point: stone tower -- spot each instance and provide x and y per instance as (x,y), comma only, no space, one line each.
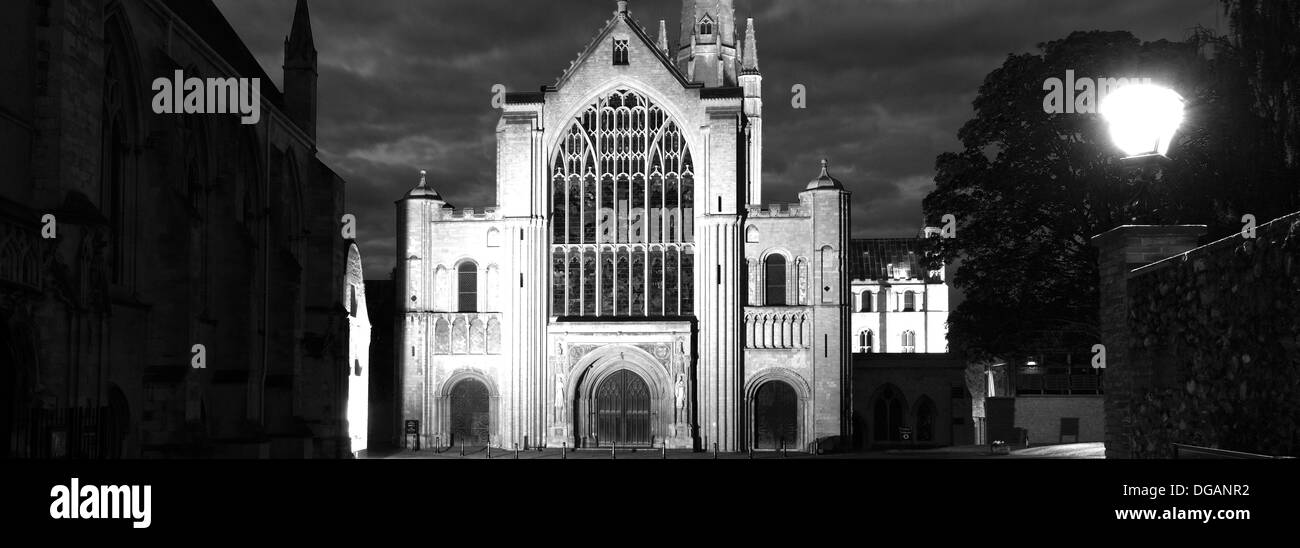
(707,48)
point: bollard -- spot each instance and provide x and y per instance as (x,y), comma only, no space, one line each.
(782,448)
(564,451)
(462,447)
(489,450)
(516,451)
(665,453)
(715,450)
(612,447)
(751,453)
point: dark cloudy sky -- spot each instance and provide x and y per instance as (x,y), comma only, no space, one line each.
(406,85)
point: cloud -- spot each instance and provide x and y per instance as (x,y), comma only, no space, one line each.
(407,85)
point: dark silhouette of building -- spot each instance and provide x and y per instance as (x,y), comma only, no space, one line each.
(171,231)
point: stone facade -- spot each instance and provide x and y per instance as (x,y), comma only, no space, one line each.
(617,292)
(171,231)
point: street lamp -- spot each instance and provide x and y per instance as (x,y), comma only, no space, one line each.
(1143,119)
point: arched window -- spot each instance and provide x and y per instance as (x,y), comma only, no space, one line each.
(774,283)
(623,133)
(925,419)
(909,341)
(467,286)
(620,52)
(866,340)
(706,25)
(751,234)
(866,302)
(909,301)
(888,415)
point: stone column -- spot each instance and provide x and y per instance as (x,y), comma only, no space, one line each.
(1119,251)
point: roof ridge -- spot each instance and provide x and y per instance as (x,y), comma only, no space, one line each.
(640,32)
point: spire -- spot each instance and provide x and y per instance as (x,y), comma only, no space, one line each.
(663,37)
(709,37)
(300,73)
(300,41)
(750,59)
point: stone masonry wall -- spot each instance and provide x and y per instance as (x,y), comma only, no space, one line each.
(1216,331)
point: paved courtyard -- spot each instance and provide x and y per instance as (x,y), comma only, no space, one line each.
(1062,451)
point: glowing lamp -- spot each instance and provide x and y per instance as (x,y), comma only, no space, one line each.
(1143,118)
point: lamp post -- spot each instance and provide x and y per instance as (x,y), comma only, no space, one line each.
(1143,119)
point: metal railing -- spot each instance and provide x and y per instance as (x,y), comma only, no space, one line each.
(1183,451)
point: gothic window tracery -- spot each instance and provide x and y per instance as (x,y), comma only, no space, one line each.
(622,212)
(620,52)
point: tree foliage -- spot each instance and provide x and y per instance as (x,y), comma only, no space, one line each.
(1030,188)
(1267,39)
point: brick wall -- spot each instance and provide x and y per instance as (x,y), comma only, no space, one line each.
(1041,417)
(1120,251)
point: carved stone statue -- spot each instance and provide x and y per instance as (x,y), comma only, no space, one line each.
(559,390)
(679,391)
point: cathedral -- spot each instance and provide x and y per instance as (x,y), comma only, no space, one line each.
(630,287)
(171,285)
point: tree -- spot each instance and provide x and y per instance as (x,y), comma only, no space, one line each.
(1267,40)
(1030,188)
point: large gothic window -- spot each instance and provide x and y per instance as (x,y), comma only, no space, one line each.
(622,197)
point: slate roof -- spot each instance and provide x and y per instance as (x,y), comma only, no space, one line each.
(869,259)
(206,20)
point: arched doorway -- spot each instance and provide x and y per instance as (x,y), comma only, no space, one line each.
(776,416)
(470,419)
(622,410)
(888,413)
(925,414)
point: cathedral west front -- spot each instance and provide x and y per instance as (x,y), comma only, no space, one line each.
(630,287)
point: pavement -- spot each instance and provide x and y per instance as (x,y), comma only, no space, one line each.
(1061,451)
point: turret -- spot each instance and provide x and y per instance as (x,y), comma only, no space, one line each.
(752,81)
(414,212)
